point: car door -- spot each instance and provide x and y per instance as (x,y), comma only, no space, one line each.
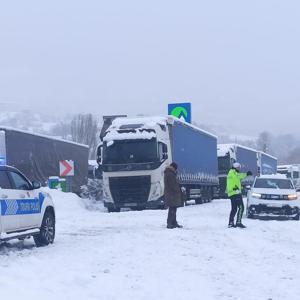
(8,204)
(28,205)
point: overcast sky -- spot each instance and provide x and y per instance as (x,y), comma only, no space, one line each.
(236,61)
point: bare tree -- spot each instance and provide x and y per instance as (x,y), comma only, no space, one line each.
(62,129)
(264,142)
(84,130)
(293,156)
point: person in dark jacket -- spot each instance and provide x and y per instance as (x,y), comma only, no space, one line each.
(172,195)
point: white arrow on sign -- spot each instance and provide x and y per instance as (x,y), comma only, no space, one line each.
(66,168)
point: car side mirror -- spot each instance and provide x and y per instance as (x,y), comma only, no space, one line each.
(36,185)
(248,187)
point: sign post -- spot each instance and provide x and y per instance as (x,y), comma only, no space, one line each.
(181,111)
(66,169)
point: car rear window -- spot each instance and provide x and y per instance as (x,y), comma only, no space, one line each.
(270,183)
(4,181)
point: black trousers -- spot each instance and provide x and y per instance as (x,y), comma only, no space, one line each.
(237,206)
(172,216)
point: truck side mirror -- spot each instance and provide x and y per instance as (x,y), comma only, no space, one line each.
(99,154)
(163,150)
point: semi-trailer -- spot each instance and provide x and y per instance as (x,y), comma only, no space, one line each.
(267,164)
(38,156)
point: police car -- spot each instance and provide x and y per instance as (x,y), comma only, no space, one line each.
(273,196)
(25,210)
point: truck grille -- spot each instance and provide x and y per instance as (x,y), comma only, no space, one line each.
(130,190)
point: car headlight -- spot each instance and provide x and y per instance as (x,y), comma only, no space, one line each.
(156,193)
(256,195)
(293,197)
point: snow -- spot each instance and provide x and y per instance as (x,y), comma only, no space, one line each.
(137,135)
(131,255)
(4,128)
(147,122)
(93,162)
(151,123)
(224,148)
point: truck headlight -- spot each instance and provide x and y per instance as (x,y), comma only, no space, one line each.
(156,192)
(256,195)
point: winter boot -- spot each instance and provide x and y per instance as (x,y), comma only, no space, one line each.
(178,226)
(240,225)
(171,226)
(231,225)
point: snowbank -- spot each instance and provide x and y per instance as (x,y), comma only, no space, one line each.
(131,255)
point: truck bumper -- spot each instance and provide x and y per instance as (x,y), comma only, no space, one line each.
(156,204)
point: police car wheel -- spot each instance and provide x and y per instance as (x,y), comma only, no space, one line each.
(47,231)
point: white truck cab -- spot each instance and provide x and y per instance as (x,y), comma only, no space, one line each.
(25,210)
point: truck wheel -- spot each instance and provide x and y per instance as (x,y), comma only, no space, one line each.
(199,201)
(47,230)
(112,209)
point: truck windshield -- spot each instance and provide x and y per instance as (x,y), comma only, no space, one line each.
(130,151)
(270,183)
(223,164)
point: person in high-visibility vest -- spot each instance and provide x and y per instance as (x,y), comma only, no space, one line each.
(234,191)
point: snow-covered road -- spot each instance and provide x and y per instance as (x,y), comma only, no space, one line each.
(131,255)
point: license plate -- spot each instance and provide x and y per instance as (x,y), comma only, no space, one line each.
(130,204)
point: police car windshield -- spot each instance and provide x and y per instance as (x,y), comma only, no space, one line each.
(270,183)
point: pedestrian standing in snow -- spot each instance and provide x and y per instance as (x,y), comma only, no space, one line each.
(234,191)
(172,195)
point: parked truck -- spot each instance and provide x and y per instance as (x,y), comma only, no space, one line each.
(135,153)
(267,164)
(38,156)
(230,153)
(291,171)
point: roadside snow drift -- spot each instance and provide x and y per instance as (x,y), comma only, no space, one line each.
(131,255)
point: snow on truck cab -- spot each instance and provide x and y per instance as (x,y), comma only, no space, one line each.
(273,196)
(136,152)
(291,171)
(25,210)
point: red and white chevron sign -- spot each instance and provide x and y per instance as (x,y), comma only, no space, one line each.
(66,168)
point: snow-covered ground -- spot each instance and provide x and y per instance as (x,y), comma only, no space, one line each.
(131,255)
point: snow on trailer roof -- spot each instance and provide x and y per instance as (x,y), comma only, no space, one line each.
(223,149)
(5,128)
(289,166)
(267,154)
(151,122)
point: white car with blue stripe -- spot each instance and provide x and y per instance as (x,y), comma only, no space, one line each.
(25,210)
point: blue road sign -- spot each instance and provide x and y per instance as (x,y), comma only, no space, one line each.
(181,111)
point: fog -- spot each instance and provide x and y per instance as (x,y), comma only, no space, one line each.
(236,61)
